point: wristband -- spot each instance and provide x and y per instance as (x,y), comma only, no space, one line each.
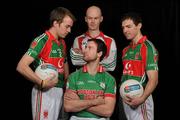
(41,86)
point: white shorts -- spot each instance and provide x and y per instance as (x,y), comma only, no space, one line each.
(46,104)
(143,112)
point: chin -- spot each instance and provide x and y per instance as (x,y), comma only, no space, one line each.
(128,38)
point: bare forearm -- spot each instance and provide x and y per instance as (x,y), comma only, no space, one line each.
(66,70)
(77,105)
(152,83)
(26,71)
(105,110)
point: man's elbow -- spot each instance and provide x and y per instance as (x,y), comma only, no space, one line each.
(157,81)
(19,68)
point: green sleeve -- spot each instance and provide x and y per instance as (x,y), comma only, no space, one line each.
(110,85)
(36,46)
(152,58)
(71,82)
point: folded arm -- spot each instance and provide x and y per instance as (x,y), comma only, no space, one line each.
(72,103)
(106,109)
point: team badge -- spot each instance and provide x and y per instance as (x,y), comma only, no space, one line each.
(102,85)
(33,45)
(136,56)
(45,114)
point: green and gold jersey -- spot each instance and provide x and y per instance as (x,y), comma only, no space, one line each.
(139,58)
(47,49)
(88,87)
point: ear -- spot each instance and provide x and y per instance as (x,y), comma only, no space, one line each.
(101,19)
(139,25)
(55,23)
(85,19)
(99,54)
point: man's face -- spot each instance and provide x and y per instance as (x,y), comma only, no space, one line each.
(130,30)
(65,27)
(90,52)
(93,18)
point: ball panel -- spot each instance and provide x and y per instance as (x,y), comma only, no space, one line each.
(46,70)
(132,88)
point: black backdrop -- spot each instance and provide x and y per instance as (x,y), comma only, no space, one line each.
(160,24)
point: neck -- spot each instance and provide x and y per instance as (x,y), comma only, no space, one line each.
(94,33)
(92,67)
(137,38)
(53,32)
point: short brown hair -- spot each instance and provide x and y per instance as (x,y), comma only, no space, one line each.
(59,13)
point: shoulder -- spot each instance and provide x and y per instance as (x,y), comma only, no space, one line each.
(42,37)
(63,42)
(80,36)
(148,45)
(109,76)
(109,41)
(75,73)
(108,37)
(126,48)
(39,41)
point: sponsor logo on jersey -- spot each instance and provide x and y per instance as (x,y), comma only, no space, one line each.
(54,51)
(91,81)
(60,66)
(90,94)
(80,83)
(127,69)
(137,56)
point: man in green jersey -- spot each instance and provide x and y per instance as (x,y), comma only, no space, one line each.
(139,63)
(91,92)
(48,48)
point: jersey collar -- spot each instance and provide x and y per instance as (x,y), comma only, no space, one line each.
(140,41)
(100,69)
(51,37)
(101,34)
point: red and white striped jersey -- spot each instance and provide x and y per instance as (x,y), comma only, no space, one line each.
(109,61)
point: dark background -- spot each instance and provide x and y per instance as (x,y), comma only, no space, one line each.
(160,24)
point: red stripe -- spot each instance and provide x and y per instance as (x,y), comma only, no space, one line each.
(110,95)
(144,111)
(38,105)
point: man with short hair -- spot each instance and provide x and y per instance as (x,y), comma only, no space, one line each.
(50,48)
(140,61)
(93,19)
(91,92)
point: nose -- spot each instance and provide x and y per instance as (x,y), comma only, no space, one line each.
(125,30)
(69,30)
(92,20)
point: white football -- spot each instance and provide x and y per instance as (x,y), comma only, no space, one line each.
(46,70)
(132,88)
